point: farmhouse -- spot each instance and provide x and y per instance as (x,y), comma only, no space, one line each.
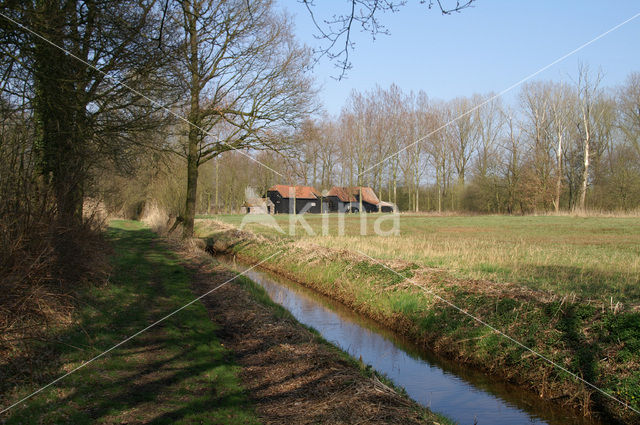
(301,199)
(258,206)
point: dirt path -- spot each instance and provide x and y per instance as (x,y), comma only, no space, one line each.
(291,376)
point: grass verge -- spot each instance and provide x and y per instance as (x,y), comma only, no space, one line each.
(176,372)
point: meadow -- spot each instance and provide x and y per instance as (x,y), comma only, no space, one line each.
(592,257)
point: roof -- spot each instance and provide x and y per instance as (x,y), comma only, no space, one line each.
(342,193)
(301,192)
(368,195)
(258,202)
(387,204)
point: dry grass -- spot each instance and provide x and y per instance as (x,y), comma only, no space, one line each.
(38,285)
(156,218)
(594,257)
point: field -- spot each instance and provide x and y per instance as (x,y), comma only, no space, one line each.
(593,257)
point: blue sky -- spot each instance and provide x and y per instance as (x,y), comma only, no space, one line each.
(483,49)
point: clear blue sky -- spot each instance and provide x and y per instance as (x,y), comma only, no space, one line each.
(482,49)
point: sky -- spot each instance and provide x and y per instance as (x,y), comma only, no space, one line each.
(486,48)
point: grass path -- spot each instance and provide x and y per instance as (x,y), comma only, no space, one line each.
(177,372)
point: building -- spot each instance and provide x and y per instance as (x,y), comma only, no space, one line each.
(347,199)
(338,199)
(258,206)
(306,199)
(301,199)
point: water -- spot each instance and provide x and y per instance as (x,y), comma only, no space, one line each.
(460,393)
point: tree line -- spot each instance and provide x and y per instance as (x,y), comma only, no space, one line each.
(558,147)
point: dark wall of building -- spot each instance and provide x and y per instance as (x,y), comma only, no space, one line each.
(306,206)
(369,207)
(286,205)
(280,205)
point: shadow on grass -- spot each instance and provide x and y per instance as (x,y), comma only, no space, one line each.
(176,372)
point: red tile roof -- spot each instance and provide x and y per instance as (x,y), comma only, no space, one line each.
(342,194)
(368,195)
(301,192)
(351,194)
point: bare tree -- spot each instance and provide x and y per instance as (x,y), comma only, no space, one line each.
(488,122)
(588,90)
(439,152)
(561,103)
(462,135)
(537,122)
(512,160)
(629,110)
(243,72)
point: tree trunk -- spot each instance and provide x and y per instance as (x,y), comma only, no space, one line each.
(216,200)
(192,187)
(194,131)
(556,202)
(585,173)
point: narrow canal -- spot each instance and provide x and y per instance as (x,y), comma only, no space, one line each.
(465,395)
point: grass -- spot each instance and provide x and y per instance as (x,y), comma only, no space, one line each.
(593,257)
(176,372)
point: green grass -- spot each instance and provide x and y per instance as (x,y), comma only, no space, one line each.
(593,257)
(176,372)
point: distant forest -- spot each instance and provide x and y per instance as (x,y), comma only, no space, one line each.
(558,147)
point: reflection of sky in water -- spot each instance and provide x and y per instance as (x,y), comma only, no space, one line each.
(431,386)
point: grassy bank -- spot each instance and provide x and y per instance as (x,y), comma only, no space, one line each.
(596,341)
(176,372)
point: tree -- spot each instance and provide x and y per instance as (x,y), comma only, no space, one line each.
(561,104)
(439,152)
(536,126)
(88,100)
(512,162)
(462,134)
(244,75)
(588,91)
(628,100)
